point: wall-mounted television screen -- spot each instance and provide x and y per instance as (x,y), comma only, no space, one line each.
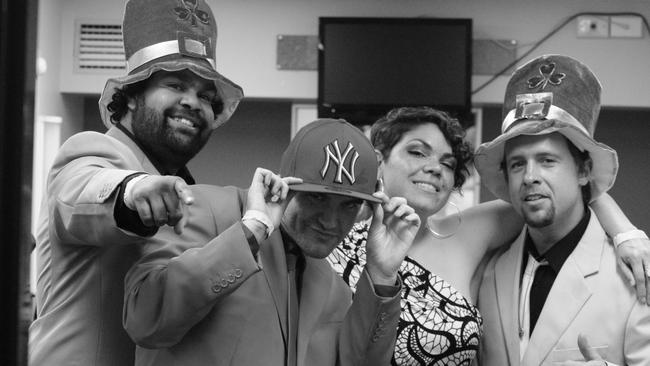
(367,66)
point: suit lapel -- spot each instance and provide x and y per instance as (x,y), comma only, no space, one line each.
(507,273)
(568,295)
(274,266)
(317,283)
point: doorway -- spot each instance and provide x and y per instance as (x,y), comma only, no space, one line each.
(17,85)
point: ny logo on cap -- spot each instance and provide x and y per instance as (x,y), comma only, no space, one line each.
(339,160)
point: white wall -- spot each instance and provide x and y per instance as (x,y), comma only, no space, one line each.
(49,101)
(248,28)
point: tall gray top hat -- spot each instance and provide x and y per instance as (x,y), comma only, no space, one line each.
(552,93)
(170,35)
(332,156)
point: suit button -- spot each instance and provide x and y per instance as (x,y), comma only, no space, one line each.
(216,289)
(231,278)
(238,273)
(224,283)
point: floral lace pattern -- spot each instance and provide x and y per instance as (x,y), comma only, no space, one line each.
(438,326)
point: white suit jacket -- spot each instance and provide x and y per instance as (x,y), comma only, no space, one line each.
(588,296)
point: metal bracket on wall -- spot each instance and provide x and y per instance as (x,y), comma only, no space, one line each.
(295,52)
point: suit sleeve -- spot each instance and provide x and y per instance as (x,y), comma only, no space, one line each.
(370,327)
(81,189)
(181,278)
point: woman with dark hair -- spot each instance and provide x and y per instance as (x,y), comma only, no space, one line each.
(424,158)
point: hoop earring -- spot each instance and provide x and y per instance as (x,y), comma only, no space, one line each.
(431,223)
(380,184)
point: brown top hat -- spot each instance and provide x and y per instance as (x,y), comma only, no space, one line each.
(552,93)
(171,35)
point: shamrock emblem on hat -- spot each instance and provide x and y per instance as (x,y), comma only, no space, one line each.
(190,11)
(547,76)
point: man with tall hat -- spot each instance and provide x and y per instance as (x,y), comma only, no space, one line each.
(555,295)
(219,295)
(107,192)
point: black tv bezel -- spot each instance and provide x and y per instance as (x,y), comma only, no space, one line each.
(368,113)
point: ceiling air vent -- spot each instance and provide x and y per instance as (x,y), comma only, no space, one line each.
(98,47)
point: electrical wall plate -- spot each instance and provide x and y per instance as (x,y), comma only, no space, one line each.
(625,26)
(592,26)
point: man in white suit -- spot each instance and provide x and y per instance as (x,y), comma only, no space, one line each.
(555,295)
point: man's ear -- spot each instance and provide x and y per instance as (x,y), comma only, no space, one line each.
(584,171)
(380,163)
(380,157)
(380,171)
(131,103)
(127,119)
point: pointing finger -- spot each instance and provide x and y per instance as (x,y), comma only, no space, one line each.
(184,192)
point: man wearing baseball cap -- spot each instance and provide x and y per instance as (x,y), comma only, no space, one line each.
(555,295)
(105,192)
(246,283)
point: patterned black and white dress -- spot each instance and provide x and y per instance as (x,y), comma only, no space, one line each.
(438,326)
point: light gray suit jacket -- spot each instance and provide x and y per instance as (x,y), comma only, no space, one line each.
(588,296)
(203,299)
(82,256)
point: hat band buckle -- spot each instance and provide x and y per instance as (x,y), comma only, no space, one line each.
(150,53)
(554,112)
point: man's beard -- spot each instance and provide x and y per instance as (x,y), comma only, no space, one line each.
(540,219)
(151,130)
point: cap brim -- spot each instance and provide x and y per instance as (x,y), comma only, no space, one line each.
(489,156)
(309,187)
(230,92)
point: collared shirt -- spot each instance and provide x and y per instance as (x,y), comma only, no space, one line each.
(290,246)
(555,257)
(295,257)
(295,267)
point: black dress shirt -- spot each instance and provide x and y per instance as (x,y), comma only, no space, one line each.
(546,274)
